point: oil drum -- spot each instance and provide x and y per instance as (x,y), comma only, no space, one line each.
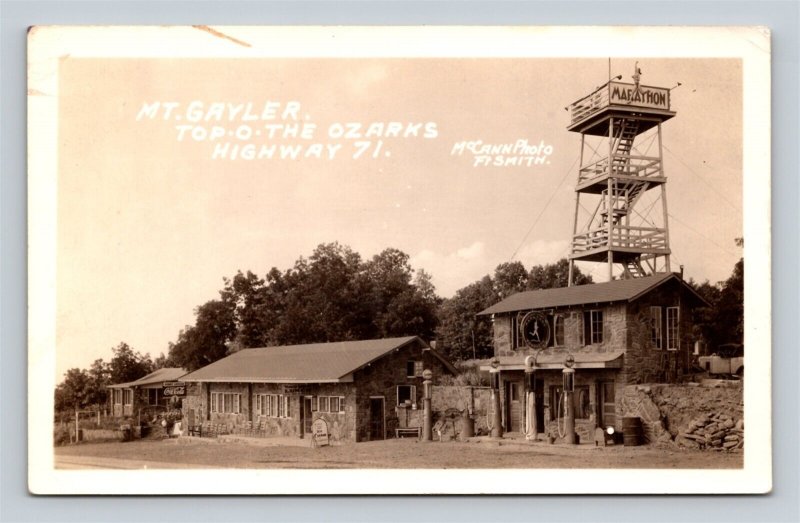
(632,431)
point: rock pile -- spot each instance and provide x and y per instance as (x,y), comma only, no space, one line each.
(715,431)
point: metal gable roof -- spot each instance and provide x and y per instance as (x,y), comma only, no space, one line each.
(310,363)
(617,290)
(154,378)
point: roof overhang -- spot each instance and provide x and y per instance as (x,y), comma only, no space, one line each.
(348,378)
(611,360)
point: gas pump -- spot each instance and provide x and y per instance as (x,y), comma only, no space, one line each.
(497,419)
(568,376)
(531,428)
(427,420)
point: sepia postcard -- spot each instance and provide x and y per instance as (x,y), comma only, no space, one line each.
(399,260)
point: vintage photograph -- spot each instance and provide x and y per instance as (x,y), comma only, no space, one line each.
(470,253)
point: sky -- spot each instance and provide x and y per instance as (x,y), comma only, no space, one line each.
(150,222)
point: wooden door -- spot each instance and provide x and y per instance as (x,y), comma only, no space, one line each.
(307,416)
(608,416)
(377,429)
(513,406)
(539,393)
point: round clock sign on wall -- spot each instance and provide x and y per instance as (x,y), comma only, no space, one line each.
(535,330)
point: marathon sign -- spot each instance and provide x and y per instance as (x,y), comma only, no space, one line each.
(172,389)
(638,95)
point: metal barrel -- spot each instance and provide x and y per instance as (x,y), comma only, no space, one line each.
(632,431)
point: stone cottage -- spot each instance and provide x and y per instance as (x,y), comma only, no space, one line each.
(127,399)
(358,388)
(619,333)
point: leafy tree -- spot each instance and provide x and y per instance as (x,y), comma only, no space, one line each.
(99,377)
(461,334)
(554,275)
(247,295)
(207,340)
(331,295)
(723,320)
(730,307)
(325,299)
(127,365)
(74,392)
(398,306)
(163,361)
(510,278)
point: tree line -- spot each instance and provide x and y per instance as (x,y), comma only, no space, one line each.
(336,295)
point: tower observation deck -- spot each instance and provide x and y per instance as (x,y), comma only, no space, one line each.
(620,195)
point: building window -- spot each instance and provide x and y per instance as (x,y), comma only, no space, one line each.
(152,396)
(117,397)
(517,338)
(513,390)
(558,330)
(673,333)
(127,397)
(406,394)
(332,404)
(411,369)
(655,327)
(272,405)
(226,402)
(593,326)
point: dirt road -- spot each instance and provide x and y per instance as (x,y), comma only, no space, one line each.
(405,453)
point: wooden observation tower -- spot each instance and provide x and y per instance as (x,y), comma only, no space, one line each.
(620,198)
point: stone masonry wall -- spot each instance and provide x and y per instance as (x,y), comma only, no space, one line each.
(667,409)
(644,363)
(449,404)
(381,380)
(615,327)
(341,426)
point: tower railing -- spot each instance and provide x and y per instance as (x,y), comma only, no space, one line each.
(642,166)
(622,236)
(619,94)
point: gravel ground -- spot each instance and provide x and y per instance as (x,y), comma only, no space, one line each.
(405,453)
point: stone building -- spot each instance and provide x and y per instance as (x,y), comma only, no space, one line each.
(619,333)
(357,387)
(127,399)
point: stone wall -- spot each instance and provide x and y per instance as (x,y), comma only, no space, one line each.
(615,333)
(449,404)
(381,379)
(667,409)
(341,426)
(644,363)
(100,434)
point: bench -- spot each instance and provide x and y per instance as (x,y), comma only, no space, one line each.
(208,430)
(408,431)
